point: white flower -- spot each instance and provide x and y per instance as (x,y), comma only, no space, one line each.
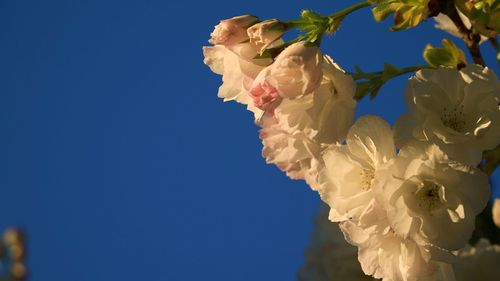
(480,262)
(292,151)
(432,199)
(238,70)
(232,31)
(496,212)
(296,71)
(457,110)
(263,34)
(296,131)
(350,170)
(385,255)
(330,257)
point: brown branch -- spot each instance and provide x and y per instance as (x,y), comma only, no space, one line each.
(470,38)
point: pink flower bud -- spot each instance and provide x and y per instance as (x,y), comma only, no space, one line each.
(297,70)
(232,31)
(263,94)
(264,34)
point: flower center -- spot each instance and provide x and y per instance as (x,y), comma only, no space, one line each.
(428,196)
(367,176)
(454,118)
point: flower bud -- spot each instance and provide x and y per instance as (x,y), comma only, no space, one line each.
(232,31)
(263,94)
(496,212)
(265,33)
(297,70)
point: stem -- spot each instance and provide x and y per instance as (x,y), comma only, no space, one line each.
(348,10)
(470,38)
(404,70)
(413,69)
(372,82)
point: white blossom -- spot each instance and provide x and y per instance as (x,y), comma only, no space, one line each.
(297,130)
(350,170)
(457,110)
(384,254)
(238,68)
(432,199)
(297,71)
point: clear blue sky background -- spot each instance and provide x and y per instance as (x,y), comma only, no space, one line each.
(121,163)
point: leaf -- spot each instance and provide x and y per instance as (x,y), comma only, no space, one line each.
(448,55)
(483,14)
(407,13)
(362,90)
(390,71)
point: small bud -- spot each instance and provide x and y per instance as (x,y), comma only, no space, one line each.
(263,34)
(232,31)
(310,15)
(496,212)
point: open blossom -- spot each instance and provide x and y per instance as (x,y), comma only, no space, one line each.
(330,257)
(457,110)
(238,68)
(384,254)
(429,196)
(232,31)
(299,129)
(350,170)
(479,262)
(292,151)
(295,72)
(263,34)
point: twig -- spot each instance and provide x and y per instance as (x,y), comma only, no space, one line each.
(470,38)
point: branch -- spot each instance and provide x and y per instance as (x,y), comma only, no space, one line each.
(470,38)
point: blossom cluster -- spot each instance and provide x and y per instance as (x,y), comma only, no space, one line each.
(329,258)
(407,196)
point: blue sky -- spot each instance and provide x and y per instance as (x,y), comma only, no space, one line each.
(121,163)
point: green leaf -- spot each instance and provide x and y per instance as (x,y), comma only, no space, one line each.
(390,71)
(483,14)
(448,55)
(310,15)
(362,90)
(407,13)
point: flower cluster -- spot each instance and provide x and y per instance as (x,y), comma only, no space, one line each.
(302,100)
(329,259)
(407,196)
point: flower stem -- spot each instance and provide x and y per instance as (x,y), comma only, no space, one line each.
(404,70)
(348,10)
(370,83)
(315,25)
